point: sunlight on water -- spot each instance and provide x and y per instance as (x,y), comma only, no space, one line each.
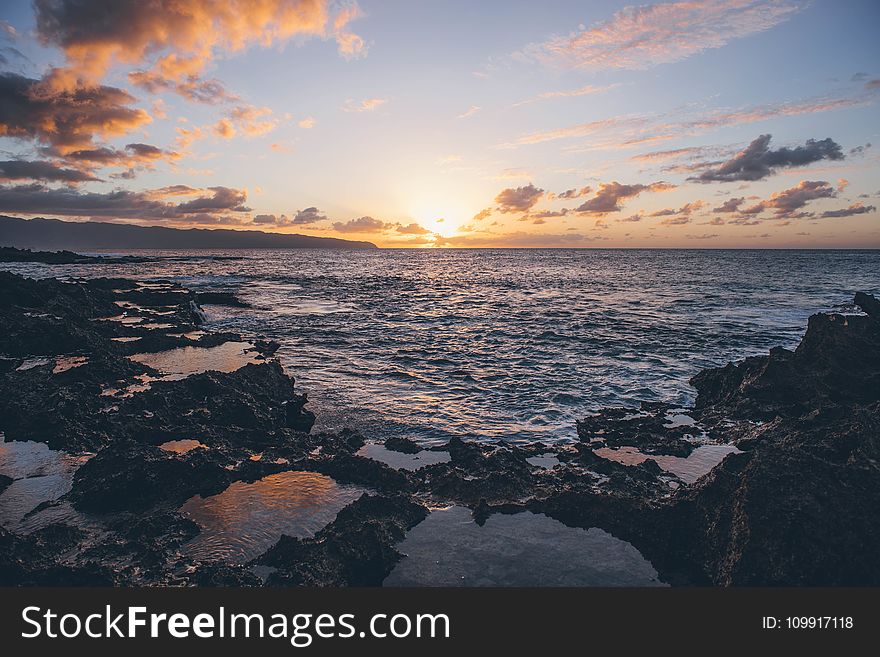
(183,361)
(181,446)
(246,519)
(506,344)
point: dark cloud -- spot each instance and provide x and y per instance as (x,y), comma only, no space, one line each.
(680,216)
(360,225)
(223,198)
(575,193)
(45,171)
(271,220)
(730,205)
(547,214)
(149,206)
(757,161)
(518,199)
(308,216)
(609,196)
(65,120)
(850,211)
(785,204)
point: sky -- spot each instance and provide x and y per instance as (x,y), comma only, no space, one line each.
(705,123)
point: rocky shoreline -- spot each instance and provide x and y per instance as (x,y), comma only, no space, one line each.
(111,372)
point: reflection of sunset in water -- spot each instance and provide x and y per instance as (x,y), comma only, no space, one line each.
(183,361)
(247,518)
(181,446)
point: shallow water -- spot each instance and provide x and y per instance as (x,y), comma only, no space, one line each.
(506,344)
(402,461)
(181,446)
(41,475)
(246,519)
(525,549)
(698,463)
(184,361)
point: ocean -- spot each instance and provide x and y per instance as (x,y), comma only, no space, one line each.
(511,345)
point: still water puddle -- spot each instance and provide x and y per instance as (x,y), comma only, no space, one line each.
(547,461)
(525,549)
(401,461)
(41,475)
(182,362)
(181,446)
(698,463)
(246,519)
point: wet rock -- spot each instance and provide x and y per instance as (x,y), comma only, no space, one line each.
(219,574)
(356,549)
(647,428)
(132,476)
(220,299)
(478,472)
(837,362)
(5,482)
(869,304)
(36,560)
(402,445)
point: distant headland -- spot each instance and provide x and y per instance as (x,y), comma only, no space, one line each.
(41,233)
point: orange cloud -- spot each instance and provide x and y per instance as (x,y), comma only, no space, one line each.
(640,37)
(188,32)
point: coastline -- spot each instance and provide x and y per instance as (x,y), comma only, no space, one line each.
(792,507)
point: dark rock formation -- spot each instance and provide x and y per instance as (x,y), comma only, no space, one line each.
(356,549)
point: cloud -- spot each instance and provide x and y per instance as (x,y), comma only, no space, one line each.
(308,216)
(587,90)
(360,225)
(65,121)
(215,205)
(271,220)
(730,205)
(190,86)
(223,198)
(786,203)
(518,199)
(473,109)
(610,195)
(95,34)
(414,229)
(629,131)
(252,121)
(45,171)
(482,214)
(704,236)
(667,155)
(349,44)
(849,211)
(640,37)
(757,161)
(367,105)
(575,193)
(680,216)
(136,156)
(307,123)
